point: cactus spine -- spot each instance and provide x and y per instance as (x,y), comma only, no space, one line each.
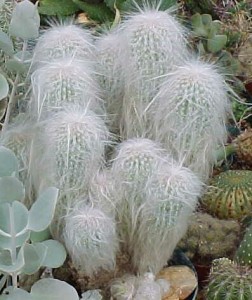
(229,281)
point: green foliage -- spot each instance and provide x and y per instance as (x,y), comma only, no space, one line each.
(57,8)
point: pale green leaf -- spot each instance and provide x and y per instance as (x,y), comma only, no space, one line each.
(25,20)
(8,162)
(15,66)
(216,43)
(4,87)
(11,189)
(16,294)
(7,266)
(6,43)
(56,254)
(42,211)
(40,236)
(50,288)
(34,255)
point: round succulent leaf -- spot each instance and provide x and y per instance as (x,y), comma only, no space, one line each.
(55,255)
(8,162)
(40,236)
(34,255)
(216,43)
(25,20)
(11,189)
(6,264)
(42,211)
(198,27)
(50,288)
(6,43)
(16,66)
(16,294)
(4,87)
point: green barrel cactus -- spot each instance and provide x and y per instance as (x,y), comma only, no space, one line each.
(229,281)
(171,195)
(153,44)
(190,114)
(63,40)
(244,252)
(62,82)
(230,194)
(90,238)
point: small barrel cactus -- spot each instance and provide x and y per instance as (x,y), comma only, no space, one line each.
(62,82)
(244,252)
(153,44)
(63,40)
(208,238)
(230,194)
(244,147)
(171,196)
(190,113)
(229,281)
(90,238)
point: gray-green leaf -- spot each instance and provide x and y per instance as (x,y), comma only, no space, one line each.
(25,20)
(40,236)
(11,189)
(42,211)
(7,266)
(4,87)
(56,254)
(8,162)
(16,294)
(50,288)
(6,43)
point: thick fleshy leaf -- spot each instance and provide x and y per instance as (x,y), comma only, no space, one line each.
(16,294)
(34,255)
(55,7)
(42,211)
(56,254)
(216,43)
(15,66)
(7,266)
(13,223)
(4,87)
(40,236)
(6,43)
(50,288)
(25,20)
(8,162)
(11,189)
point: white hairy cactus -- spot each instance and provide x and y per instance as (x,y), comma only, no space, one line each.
(71,146)
(135,161)
(110,75)
(90,238)
(61,82)
(153,45)
(190,113)
(171,196)
(63,40)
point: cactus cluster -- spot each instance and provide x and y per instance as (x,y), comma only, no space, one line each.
(168,109)
(244,252)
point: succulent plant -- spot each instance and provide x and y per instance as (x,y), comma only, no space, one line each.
(91,240)
(190,113)
(62,82)
(153,44)
(244,252)
(229,280)
(209,238)
(229,195)
(244,146)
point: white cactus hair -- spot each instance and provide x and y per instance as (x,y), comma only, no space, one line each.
(190,111)
(90,238)
(154,43)
(63,39)
(110,74)
(74,140)
(64,81)
(171,197)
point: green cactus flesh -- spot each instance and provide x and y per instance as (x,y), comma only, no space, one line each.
(244,252)
(230,194)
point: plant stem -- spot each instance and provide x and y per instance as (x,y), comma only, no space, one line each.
(13,246)
(12,99)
